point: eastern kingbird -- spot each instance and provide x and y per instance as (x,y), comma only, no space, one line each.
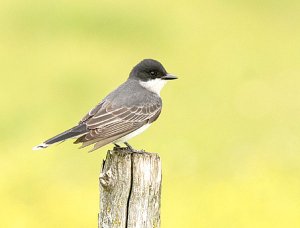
(122,114)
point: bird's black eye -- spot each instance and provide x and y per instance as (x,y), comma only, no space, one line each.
(153,73)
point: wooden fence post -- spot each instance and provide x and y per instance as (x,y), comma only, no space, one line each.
(130,189)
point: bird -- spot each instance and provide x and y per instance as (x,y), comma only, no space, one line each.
(122,114)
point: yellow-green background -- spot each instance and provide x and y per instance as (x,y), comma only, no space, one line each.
(229,132)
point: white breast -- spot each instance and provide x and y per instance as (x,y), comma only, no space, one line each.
(132,134)
(154,85)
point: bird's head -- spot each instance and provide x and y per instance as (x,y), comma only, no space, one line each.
(151,74)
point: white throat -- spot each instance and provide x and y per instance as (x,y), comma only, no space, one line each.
(154,85)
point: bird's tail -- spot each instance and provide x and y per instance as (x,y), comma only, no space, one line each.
(73,132)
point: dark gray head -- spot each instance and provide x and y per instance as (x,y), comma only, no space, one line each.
(150,69)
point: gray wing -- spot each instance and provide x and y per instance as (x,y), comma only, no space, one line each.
(107,123)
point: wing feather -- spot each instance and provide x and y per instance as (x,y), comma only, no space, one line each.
(106,123)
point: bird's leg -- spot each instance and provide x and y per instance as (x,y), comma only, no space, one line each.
(132,149)
(117,146)
(129,147)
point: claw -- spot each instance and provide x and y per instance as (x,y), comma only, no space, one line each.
(117,146)
(132,149)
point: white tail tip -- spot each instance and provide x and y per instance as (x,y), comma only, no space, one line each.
(40,146)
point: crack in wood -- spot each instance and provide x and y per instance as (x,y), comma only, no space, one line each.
(130,190)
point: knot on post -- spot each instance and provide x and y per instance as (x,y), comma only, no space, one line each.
(106,179)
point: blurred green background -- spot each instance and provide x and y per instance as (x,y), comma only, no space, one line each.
(229,132)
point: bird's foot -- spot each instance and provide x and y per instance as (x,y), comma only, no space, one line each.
(132,149)
(117,147)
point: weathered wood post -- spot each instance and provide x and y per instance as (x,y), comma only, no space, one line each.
(130,189)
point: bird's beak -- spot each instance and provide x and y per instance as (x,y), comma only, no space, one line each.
(168,77)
